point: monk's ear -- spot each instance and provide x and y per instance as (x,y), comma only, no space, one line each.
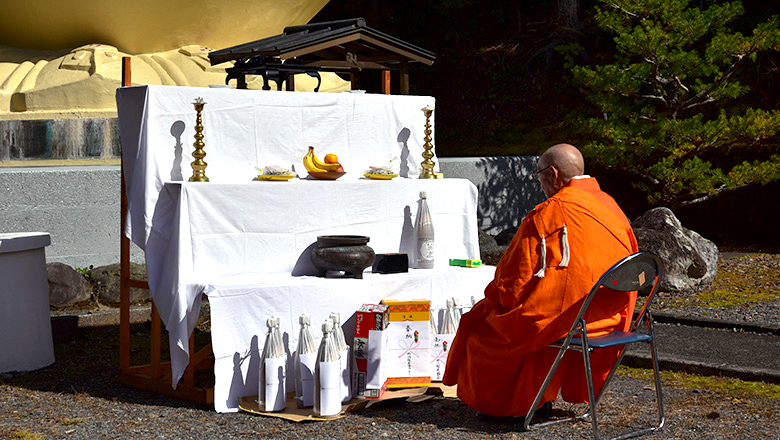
(556,174)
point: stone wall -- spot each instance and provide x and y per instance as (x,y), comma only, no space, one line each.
(507,191)
(77,206)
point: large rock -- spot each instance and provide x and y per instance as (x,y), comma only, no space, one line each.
(690,260)
(105,280)
(67,287)
(490,251)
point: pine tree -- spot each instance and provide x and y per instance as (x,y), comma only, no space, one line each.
(664,109)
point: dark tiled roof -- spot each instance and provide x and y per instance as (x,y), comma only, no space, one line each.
(337,45)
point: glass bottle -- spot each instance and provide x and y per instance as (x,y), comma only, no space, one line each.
(423,227)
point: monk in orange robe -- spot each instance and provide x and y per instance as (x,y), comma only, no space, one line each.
(499,357)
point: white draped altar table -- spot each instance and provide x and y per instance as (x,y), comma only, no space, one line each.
(239,314)
(209,233)
(235,232)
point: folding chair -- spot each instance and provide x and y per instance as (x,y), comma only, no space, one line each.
(635,272)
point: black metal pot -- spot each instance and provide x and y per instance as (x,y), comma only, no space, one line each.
(346,253)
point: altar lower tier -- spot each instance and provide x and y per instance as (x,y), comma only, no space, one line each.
(205,232)
(239,313)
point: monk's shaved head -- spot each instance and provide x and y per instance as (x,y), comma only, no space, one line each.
(557,166)
(566,158)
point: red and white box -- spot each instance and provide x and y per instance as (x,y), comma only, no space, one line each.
(371,320)
(408,358)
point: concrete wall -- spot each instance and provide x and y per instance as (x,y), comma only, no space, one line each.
(79,206)
(507,191)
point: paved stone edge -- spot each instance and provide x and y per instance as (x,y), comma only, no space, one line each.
(668,363)
(669,318)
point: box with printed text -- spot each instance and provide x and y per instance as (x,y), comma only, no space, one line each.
(408,356)
(370,320)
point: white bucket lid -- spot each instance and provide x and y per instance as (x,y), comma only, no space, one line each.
(22,241)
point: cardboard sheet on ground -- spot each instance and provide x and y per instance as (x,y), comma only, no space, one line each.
(295,414)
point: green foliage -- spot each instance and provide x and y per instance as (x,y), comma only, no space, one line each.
(83,271)
(661,109)
(570,52)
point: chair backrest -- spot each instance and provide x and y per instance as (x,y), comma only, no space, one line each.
(635,272)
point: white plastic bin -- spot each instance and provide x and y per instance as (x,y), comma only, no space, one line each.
(25,323)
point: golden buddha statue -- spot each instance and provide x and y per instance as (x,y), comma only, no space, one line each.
(43,76)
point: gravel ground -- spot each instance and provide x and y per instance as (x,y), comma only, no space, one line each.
(78,397)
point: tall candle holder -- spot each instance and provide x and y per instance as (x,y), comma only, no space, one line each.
(427,164)
(199,165)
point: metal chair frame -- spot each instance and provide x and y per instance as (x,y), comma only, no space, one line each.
(634,272)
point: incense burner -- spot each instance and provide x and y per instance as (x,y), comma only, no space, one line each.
(344,253)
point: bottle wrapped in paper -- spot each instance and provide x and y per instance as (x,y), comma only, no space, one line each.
(441,342)
(440,345)
(456,312)
(451,319)
(343,348)
(329,402)
(305,363)
(327,375)
(272,395)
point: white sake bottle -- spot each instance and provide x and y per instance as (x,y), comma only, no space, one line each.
(423,227)
(272,395)
(305,363)
(327,375)
(341,344)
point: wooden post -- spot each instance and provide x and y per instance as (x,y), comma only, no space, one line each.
(354,81)
(386,82)
(124,255)
(404,77)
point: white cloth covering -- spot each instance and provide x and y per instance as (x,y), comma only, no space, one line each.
(238,314)
(246,130)
(195,234)
(204,232)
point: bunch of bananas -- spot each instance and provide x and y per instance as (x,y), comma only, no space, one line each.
(314,165)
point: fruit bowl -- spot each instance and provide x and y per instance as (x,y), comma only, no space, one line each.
(330,175)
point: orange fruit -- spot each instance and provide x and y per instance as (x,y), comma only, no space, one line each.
(331,158)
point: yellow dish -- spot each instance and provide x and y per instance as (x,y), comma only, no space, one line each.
(274,177)
(380,176)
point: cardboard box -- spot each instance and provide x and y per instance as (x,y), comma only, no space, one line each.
(369,319)
(408,353)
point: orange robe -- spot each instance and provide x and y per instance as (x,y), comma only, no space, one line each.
(499,357)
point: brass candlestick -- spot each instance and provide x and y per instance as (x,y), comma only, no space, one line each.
(427,164)
(199,165)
